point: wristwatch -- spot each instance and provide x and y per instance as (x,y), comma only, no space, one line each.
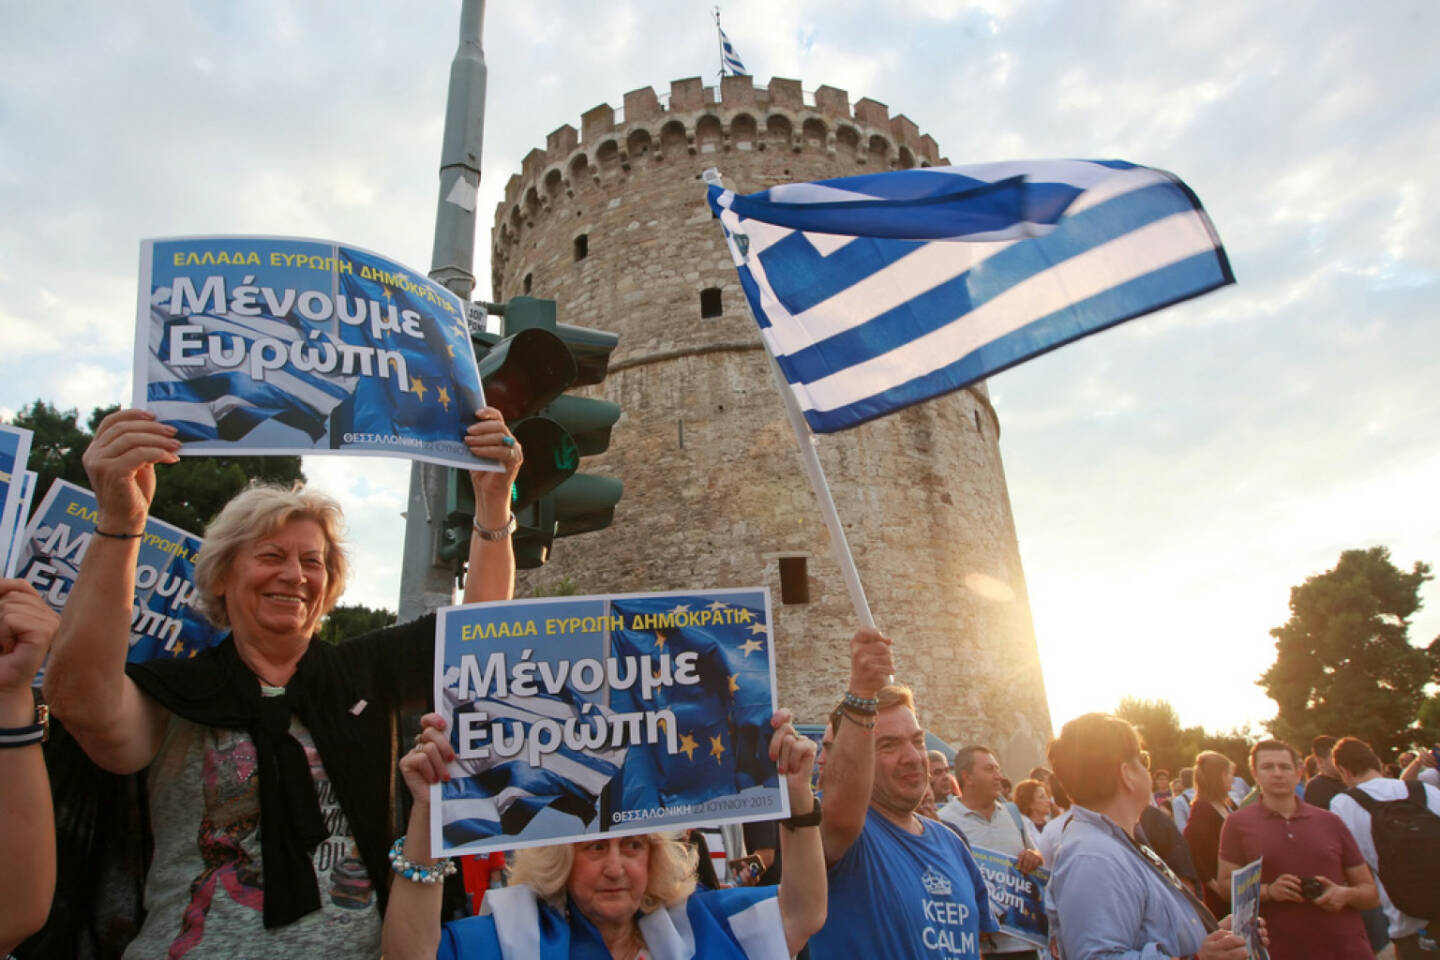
(811,819)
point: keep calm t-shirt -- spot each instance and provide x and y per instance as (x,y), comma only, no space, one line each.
(896,894)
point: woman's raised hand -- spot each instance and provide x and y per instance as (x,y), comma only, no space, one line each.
(120,462)
(794,757)
(489,438)
(429,760)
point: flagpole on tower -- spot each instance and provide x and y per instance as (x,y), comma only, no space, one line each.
(720,41)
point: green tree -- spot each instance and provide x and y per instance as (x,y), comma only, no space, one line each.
(1344,664)
(1159,728)
(187,494)
(351,620)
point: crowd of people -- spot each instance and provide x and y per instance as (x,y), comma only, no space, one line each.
(281,814)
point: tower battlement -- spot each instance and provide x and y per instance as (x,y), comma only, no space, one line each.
(697,119)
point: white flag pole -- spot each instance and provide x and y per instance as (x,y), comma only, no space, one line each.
(806,440)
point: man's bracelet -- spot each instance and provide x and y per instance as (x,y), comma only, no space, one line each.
(840,713)
(38,732)
(861,704)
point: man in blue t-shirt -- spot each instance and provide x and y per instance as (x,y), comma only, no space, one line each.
(900,885)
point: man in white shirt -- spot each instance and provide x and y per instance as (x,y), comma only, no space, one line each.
(990,823)
(1360,769)
(1180,803)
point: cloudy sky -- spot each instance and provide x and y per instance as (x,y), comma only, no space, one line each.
(1171,479)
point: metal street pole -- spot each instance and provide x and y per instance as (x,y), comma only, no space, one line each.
(425,583)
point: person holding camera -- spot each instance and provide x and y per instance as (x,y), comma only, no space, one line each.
(1314,880)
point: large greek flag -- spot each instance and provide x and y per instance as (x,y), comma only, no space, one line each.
(879,291)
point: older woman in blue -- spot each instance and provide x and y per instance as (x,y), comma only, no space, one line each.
(612,898)
(1110,896)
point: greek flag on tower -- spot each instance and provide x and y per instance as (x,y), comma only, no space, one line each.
(730,60)
(879,291)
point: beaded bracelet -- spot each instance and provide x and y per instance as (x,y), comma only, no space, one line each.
(861,704)
(411,870)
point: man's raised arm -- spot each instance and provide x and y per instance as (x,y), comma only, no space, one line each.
(850,761)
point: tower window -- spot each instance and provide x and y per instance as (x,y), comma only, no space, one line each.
(582,247)
(794,580)
(710,302)
(529,278)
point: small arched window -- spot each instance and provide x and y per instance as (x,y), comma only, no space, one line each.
(529,278)
(582,247)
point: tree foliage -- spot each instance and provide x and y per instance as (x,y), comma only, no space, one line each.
(1173,747)
(187,494)
(1344,664)
(351,620)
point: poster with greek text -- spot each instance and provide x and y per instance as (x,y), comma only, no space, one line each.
(11,556)
(1245,909)
(621,714)
(1017,899)
(166,621)
(14,454)
(286,346)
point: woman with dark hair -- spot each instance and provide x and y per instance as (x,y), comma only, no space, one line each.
(269,758)
(1033,800)
(1214,774)
(1109,895)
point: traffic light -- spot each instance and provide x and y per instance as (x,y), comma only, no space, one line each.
(550,499)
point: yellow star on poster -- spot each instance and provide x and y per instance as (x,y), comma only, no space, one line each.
(179,648)
(716,748)
(688,747)
(417,386)
(385,292)
(717,605)
(193,651)
(734,683)
(750,646)
(680,608)
(451,348)
(442,397)
(660,639)
(757,628)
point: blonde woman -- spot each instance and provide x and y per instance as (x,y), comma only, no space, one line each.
(269,757)
(625,898)
(1214,773)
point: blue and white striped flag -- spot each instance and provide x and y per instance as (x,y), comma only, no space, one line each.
(730,60)
(883,290)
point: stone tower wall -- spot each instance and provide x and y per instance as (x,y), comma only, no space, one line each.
(714,490)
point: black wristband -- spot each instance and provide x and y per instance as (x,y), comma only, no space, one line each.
(811,819)
(38,732)
(119,536)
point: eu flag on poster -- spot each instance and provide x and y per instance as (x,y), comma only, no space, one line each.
(573,716)
(723,720)
(286,346)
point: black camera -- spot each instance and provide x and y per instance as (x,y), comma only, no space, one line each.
(1311,887)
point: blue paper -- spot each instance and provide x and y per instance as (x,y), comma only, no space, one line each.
(1017,899)
(682,686)
(166,621)
(286,346)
